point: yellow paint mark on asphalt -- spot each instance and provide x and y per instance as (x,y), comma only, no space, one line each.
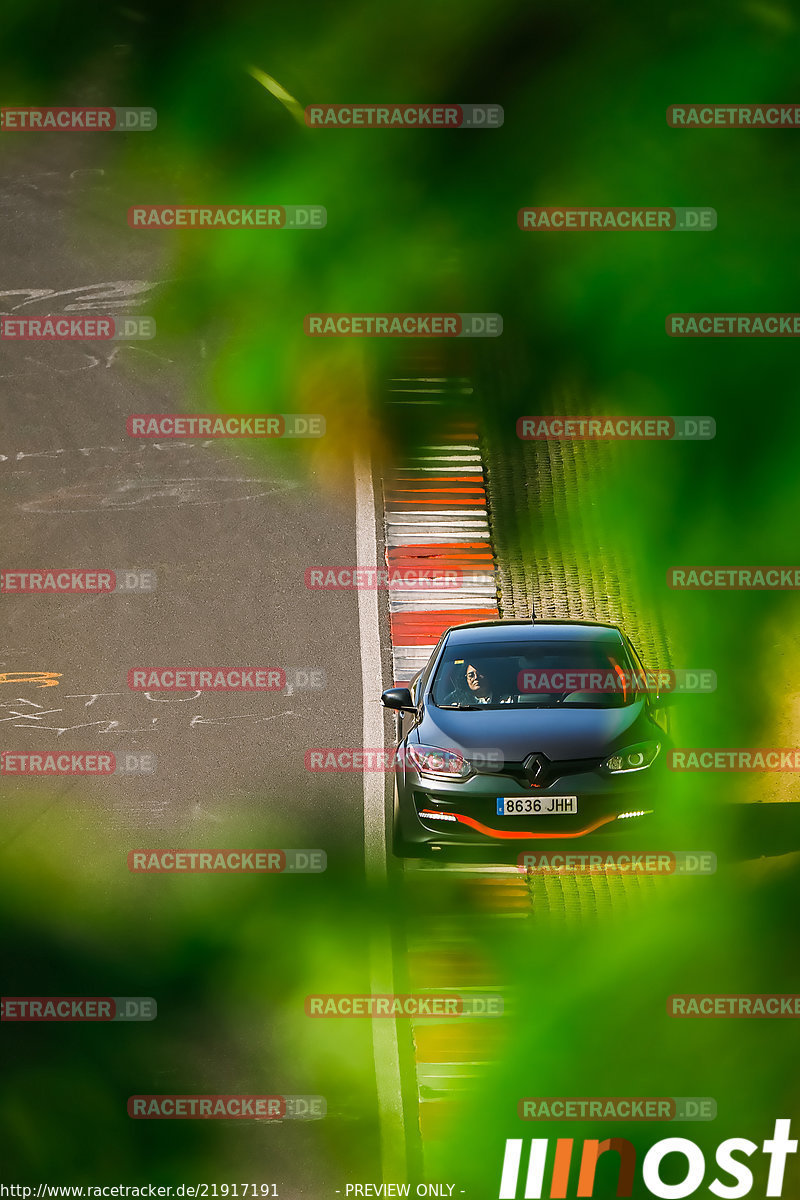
(39,678)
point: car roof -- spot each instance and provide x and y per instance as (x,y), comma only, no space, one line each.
(532,631)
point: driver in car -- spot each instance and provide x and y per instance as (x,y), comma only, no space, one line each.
(475,687)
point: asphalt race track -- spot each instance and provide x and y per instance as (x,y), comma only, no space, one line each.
(228,529)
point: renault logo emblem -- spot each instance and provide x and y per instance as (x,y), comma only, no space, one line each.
(535,768)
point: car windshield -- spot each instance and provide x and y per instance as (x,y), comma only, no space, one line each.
(536,674)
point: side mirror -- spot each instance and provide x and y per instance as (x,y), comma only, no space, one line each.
(399,699)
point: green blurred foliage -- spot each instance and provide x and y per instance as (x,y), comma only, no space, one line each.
(420,221)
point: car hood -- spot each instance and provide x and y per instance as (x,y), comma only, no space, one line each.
(559,733)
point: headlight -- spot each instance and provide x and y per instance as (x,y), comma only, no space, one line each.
(632,758)
(439,764)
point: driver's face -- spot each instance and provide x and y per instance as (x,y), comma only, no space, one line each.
(476,680)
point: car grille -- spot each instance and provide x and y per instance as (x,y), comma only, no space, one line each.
(552,770)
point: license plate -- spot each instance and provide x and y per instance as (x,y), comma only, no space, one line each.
(536,806)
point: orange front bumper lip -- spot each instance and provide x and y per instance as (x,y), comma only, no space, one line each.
(487,831)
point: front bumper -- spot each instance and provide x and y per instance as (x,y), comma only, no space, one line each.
(436,812)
